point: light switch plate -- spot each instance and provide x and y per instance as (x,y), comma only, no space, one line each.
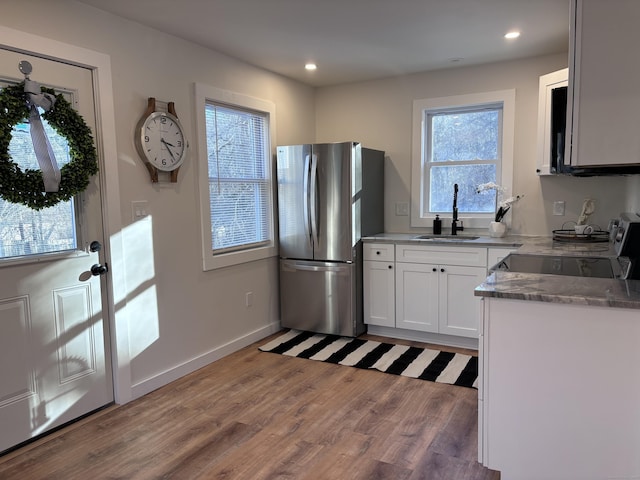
(139,210)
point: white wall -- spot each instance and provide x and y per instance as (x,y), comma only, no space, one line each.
(177,312)
(378,114)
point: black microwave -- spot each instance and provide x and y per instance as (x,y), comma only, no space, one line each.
(558,129)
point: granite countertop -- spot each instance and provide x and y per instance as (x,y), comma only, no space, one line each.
(482,240)
(602,292)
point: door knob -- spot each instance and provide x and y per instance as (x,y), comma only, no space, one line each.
(95,246)
(98,269)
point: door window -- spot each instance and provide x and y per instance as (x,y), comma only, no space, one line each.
(24,231)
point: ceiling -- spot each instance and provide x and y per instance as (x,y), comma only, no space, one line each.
(357,40)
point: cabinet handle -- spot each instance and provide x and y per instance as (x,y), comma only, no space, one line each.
(390,267)
(435,269)
(442,269)
(377,253)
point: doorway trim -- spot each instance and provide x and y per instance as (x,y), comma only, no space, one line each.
(100,64)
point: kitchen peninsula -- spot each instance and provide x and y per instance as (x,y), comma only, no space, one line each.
(559,393)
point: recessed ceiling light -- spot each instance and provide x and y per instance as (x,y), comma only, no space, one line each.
(512,35)
(310,66)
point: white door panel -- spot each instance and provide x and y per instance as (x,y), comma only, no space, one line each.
(54,348)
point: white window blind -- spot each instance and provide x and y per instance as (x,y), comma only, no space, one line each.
(239,177)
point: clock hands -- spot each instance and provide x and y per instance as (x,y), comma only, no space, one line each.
(167,144)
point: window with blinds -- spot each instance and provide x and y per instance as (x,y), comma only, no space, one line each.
(238,153)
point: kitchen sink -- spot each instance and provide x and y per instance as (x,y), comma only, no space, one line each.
(446,237)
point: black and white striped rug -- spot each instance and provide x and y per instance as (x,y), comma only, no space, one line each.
(414,362)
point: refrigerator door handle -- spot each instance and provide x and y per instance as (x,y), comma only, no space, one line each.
(305,199)
(316,268)
(314,199)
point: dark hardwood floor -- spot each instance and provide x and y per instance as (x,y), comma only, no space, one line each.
(255,415)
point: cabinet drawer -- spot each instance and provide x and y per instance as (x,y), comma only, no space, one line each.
(463,256)
(383,252)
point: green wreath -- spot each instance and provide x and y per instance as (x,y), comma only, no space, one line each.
(26,187)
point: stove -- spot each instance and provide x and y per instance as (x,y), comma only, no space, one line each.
(626,242)
(626,265)
(596,267)
(626,238)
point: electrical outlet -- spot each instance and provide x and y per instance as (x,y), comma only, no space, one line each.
(402,209)
(558,208)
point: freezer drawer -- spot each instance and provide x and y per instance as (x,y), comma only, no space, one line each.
(321,297)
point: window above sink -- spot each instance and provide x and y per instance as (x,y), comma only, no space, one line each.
(443,155)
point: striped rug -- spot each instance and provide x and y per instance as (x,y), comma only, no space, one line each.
(414,362)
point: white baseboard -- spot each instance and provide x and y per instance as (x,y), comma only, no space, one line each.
(426,337)
(162,379)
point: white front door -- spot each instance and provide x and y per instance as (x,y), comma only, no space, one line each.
(54,342)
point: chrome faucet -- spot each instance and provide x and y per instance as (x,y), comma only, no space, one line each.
(454,224)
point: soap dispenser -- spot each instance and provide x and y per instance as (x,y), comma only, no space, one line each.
(437,225)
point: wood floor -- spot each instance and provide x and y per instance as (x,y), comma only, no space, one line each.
(256,415)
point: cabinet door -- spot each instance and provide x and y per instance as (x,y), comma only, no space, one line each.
(604,83)
(460,311)
(417,296)
(379,294)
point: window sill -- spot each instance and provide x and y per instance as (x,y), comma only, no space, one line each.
(214,262)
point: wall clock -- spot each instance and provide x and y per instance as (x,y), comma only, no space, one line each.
(160,141)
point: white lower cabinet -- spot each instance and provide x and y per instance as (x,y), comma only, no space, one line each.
(424,292)
(460,312)
(417,297)
(438,298)
(559,395)
(435,288)
(379,285)
(379,294)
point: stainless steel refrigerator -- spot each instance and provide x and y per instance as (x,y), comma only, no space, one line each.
(330,195)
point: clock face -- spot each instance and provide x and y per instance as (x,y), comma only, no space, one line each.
(162,141)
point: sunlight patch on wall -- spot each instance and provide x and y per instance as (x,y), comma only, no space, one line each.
(142,301)
(143,328)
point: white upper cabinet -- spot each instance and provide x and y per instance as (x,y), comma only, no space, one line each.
(604,84)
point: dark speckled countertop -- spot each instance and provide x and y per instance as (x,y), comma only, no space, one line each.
(602,292)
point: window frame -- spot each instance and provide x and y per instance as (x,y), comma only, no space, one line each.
(205,94)
(419,156)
